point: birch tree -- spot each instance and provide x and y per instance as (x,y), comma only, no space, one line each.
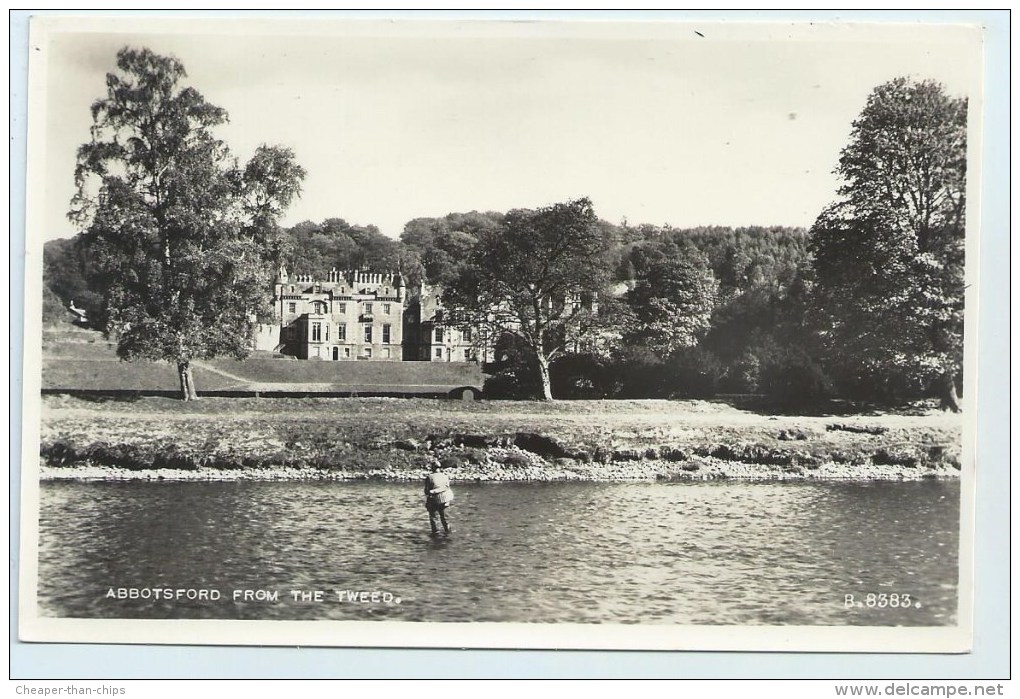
(181,236)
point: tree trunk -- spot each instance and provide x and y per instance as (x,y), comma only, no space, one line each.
(188,391)
(950,397)
(543,374)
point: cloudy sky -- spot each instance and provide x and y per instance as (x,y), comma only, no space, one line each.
(682,123)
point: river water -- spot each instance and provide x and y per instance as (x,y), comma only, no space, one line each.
(681,553)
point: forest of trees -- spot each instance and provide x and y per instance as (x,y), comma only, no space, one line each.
(748,331)
(741,333)
(867,304)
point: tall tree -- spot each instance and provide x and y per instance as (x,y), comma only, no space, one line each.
(888,256)
(270,181)
(673,302)
(444,244)
(536,277)
(182,237)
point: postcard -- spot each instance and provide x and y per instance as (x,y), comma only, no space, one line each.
(490,334)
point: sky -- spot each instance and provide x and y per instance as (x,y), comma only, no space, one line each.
(685,124)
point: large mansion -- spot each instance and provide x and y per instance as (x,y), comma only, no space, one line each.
(363,315)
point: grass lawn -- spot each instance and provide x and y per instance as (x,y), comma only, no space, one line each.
(82,360)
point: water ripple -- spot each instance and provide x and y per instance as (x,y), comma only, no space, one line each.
(683,553)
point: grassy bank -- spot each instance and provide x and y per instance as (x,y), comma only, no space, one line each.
(81,360)
(395,438)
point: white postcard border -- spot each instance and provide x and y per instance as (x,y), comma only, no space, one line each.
(478,635)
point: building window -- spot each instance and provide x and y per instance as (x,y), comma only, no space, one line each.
(347,352)
(316,332)
(439,334)
(368,333)
(336,353)
(341,333)
(326,338)
(467,355)
(386,309)
(386,353)
(466,334)
(386,334)
(439,352)
(342,308)
(292,308)
(368,308)
(368,352)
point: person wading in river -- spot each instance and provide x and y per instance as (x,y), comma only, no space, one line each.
(438,496)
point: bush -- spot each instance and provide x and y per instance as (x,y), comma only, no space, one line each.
(53,310)
(693,373)
(578,376)
(885,387)
(508,386)
(637,372)
(514,374)
(794,380)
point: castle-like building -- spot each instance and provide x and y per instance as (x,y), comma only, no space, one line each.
(352,315)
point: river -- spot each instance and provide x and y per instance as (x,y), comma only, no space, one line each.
(725,552)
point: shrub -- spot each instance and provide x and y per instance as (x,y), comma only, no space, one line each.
(636,372)
(578,376)
(514,374)
(693,373)
(794,380)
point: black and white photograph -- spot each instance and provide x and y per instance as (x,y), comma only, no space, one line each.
(595,335)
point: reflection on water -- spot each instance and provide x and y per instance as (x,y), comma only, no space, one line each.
(684,553)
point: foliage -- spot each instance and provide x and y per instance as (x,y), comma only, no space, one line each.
(792,379)
(444,244)
(53,309)
(637,372)
(182,239)
(673,301)
(740,258)
(537,278)
(581,376)
(514,374)
(69,276)
(317,248)
(271,180)
(692,373)
(179,243)
(888,256)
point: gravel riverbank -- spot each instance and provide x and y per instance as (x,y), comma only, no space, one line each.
(395,440)
(695,469)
